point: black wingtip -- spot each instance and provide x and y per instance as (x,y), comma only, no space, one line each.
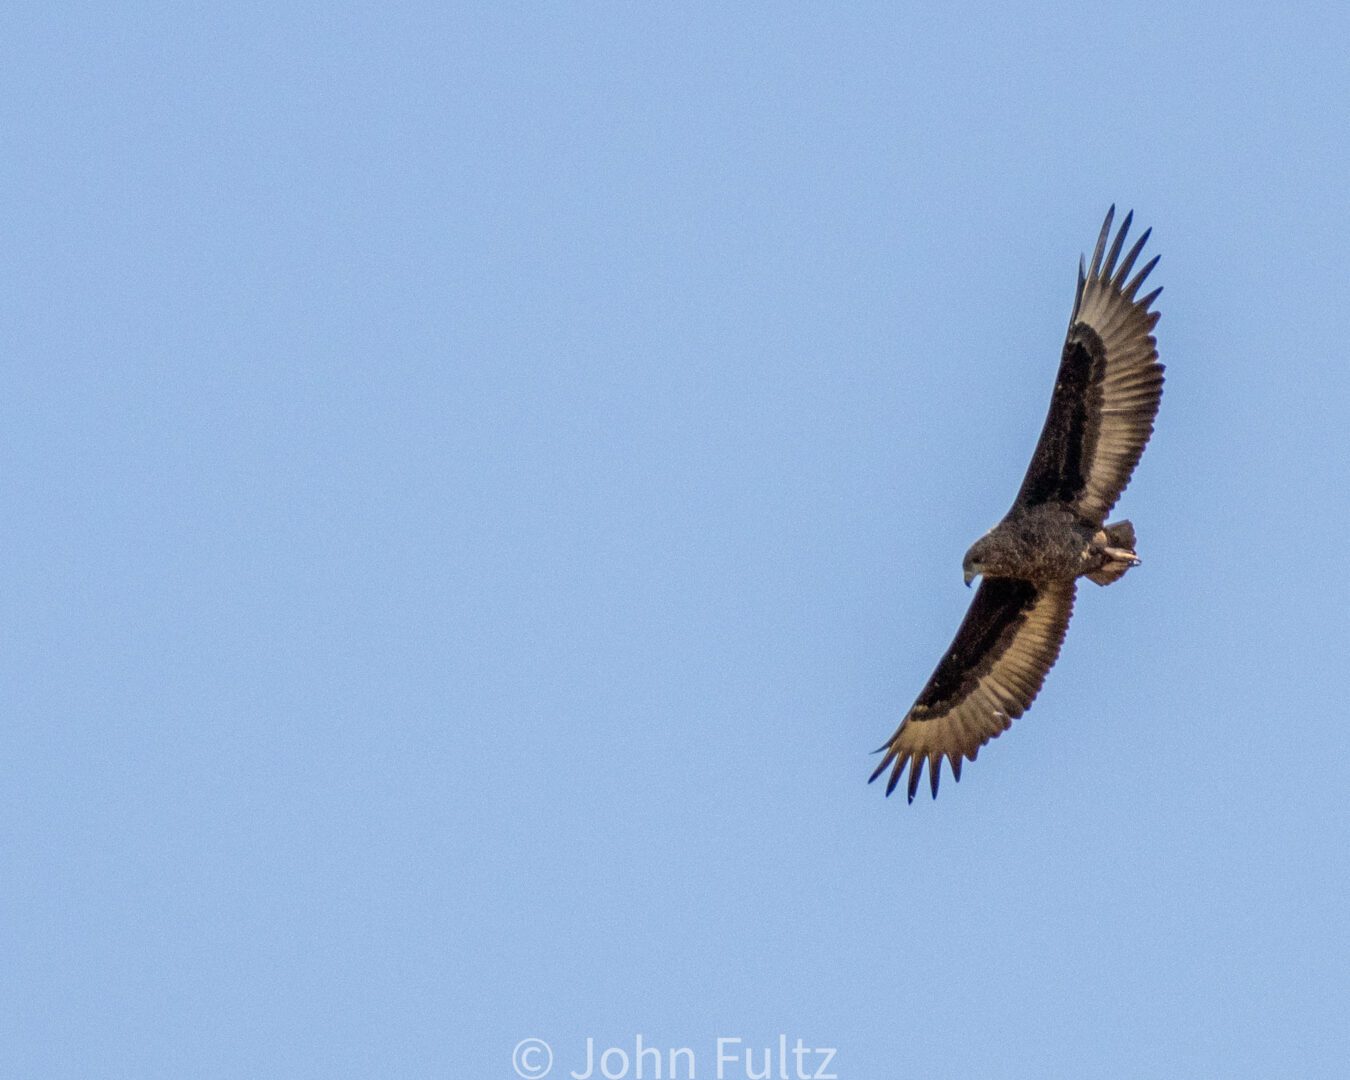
(915,763)
(1109,267)
(1138,279)
(1100,249)
(896,768)
(1078,291)
(1123,271)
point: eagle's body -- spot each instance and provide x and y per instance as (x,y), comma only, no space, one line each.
(1049,543)
(1042,543)
(1101,415)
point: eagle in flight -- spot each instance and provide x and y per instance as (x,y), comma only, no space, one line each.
(1101,415)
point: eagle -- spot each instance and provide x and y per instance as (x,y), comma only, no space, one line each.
(1101,415)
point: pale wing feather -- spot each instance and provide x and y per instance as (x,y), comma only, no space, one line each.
(998,697)
(1107,388)
(1127,377)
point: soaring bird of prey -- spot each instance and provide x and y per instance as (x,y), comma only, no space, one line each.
(1101,415)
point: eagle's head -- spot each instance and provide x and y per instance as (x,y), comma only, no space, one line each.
(974,562)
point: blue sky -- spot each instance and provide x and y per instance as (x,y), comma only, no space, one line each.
(480,480)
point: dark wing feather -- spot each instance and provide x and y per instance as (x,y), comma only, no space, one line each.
(1107,390)
(1007,642)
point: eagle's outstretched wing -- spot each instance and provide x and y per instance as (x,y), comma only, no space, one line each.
(1008,640)
(1107,390)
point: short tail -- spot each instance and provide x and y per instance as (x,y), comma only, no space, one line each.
(1121,535)
(1120,544)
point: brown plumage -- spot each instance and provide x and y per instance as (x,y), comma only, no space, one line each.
(1101,416)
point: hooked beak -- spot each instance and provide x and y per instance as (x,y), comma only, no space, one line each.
(970,576)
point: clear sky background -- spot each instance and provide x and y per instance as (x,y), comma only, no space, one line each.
(479,481)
